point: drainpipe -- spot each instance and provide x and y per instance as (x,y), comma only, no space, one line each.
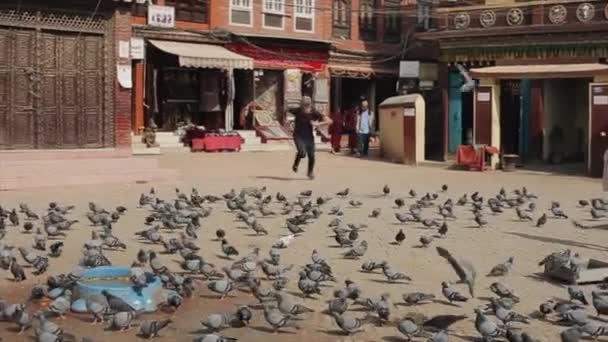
(469,83)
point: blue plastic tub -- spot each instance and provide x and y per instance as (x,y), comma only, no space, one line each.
(115,280)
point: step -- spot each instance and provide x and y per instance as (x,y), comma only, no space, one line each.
(247,134)
(143,150)
(94,153)
(266,148)
(42,181)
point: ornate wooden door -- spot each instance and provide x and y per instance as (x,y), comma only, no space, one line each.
(51,89)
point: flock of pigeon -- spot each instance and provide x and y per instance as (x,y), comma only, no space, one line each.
(175,224)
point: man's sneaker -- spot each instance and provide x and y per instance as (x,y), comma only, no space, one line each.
(295,169)
(311,176)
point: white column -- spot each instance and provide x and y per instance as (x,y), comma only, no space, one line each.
(229,111)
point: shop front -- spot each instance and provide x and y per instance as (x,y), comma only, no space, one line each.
(188,83)
(282,75)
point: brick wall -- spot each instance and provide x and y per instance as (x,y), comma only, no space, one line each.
(122,96)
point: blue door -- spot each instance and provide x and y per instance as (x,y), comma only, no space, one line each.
(454,111)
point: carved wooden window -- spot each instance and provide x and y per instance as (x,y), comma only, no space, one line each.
(190,10)
(341,18)
(367,19)
(423,14)
(392,21)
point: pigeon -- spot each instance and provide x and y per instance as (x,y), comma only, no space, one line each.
(577,294)
(98,306)
(425,240)
(600,302)
(216,322)
(487,328)
(452,295)
(440,336)
(392,276)
(502,269)
(541,221)
(399,202)
(583,203)
(14,217)
(386,190)
(343,193)
(464,269)
(522,215)
(287,306)
(481,222)
(116,303)
(121,320)
(27,226)
(213,338)
(349,325)
(400,237)
(413,193)
(375,213)
(357,251)
(276,318)
(443,230)
(44,325)
(338,305)
(221,286)
(228,250)
(370,266)
(21,318)
(558,213)
(56,249)
(402,218)
(61,305)
(17,271)
(571,335)
(151,328)
(409,329)
(415,298)
(595,214)
(503,291)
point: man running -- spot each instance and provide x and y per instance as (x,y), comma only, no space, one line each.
(306,118)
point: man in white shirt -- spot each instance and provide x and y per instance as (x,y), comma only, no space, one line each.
(365,121)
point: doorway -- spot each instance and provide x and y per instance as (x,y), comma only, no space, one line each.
(243,98)
(460,113)
(510,116)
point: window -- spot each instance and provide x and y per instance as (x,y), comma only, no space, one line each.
(392,21)
(304,13)
(190,10)
(341,19)
(241,12)
(274,11)
(423,14)
(367,20)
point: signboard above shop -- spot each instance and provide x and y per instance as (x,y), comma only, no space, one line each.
(417,69)
(161,16)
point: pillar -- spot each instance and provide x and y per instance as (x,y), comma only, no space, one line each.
(122,96)
(139,87)
(537,114)
(487,111)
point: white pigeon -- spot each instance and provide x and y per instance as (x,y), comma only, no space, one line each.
(284,241)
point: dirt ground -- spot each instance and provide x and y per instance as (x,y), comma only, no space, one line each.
(218,173)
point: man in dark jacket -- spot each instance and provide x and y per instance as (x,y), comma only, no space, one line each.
(306,119)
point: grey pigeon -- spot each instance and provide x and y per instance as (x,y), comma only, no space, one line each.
(350,325)
(45,336)
(21,318)
(451,294)
(98,306)
(214,338)
(221,286)
(594,329)
(287,306)
(571,335)
(409,328)
(393,276)
(116,303)
(577,294)
(440,336)
(576,316)
(276,318)
(415,298)
(357,251)
(61,305)
(151,328)
(121,321)
(600,302)
(501,290)
(502,269)
(44,325)
(487,328)
(463,268)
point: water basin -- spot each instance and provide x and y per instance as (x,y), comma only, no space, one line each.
(116,281)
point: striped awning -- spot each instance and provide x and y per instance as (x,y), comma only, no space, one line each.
(204,55)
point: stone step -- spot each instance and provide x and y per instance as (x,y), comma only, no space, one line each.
(17,155)
(94,164)
(51,180)
(266,148)
(142,150)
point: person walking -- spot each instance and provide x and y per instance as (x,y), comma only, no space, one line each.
(306,119)
(365,121)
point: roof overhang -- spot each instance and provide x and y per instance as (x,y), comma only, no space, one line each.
(540,71)
(204,55)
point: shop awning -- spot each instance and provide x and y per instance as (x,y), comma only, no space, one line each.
(354,71)
(540,71)
(204,55)
(283,58)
